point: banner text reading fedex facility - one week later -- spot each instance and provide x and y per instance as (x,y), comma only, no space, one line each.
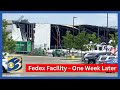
(71,67)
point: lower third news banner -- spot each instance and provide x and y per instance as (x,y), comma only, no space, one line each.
(71,67)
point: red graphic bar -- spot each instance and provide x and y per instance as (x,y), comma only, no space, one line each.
(71,67)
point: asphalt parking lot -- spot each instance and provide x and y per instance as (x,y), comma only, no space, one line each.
(55,60)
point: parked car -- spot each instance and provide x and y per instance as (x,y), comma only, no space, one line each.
(4,64)
(91,59)
(58,53)
(103,58)
(111,61)
(88,54)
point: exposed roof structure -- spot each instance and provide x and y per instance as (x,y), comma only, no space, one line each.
(100,31)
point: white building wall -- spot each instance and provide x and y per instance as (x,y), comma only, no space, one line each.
(16,34)
(42,35)
(9,28)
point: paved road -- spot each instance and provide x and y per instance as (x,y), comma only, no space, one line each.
(55,60)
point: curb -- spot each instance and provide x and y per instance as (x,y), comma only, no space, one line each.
(71,59)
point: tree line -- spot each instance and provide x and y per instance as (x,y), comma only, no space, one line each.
(82,40)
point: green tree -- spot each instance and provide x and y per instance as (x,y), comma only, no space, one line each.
(95,40)
(114,38)
(68,40)
(93,37)
(81,40)
(8,44)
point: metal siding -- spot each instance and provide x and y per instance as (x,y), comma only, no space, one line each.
(16,33)
(42,35)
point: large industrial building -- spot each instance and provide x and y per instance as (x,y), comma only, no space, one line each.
(49,36)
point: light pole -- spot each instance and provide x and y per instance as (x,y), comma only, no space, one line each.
(73,29)
(107,33)
(98,31)
(79,28)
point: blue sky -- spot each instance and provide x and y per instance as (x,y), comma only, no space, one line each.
(99,19)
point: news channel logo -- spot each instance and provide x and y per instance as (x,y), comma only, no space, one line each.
(14,64)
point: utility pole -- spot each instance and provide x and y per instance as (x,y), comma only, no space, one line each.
(79,28)
(107,33)
(73,30)
(57,37)
(98,31)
